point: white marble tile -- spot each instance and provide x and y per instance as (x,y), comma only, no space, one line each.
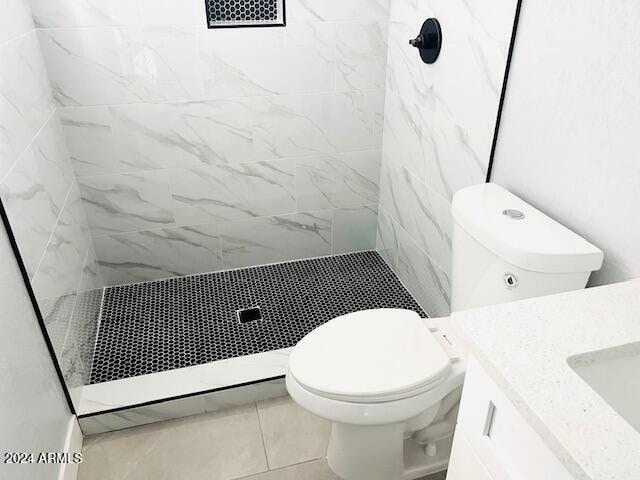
(110,65)
(128,202)
(263,61)
(90,140)
(35,190)
(361,55)
(148,136)
(184,381)
(337,181)
(354,229)
(423,213)
(337,10)
(463,89)
(172,409)
(15,20)
(60,270)
(57,313)
(387,238)
(25,97)
(156,254)
(356,120)
(429,284)
(294,125)
(75,373)
(84,13)
(86,313)
(31,210)
(234,192)
(137,416)
(276,239)
(172,12)
(303,125)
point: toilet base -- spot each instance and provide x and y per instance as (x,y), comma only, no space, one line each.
(379,453)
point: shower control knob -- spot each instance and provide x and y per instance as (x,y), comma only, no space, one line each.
(428,41)
(417,42)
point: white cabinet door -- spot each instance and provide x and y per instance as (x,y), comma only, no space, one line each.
(501,438)
(464,464)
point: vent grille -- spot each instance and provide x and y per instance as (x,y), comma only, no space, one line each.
(245,13)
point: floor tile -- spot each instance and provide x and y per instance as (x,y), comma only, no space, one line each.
(218,446)
(313,470)
(285,445)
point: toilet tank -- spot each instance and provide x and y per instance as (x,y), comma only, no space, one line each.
(504,250)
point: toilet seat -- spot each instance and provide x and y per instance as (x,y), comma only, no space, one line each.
(396,357)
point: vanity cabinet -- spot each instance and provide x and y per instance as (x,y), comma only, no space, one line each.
(493,441)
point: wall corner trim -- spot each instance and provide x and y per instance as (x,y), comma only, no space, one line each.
(503,93)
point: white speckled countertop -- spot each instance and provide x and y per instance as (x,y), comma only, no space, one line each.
(524,346)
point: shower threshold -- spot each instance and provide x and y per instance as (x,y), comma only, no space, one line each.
(208,333)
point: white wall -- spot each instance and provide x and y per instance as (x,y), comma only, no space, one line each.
(438,129)
(33,411)
(198,150)
(569,141)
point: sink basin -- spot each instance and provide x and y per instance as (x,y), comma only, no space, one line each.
(614,374)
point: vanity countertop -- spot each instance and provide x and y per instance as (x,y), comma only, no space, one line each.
(524,346)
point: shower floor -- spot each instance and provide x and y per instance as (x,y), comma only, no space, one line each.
(180,322)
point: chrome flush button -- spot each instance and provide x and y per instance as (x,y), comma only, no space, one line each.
(513,214)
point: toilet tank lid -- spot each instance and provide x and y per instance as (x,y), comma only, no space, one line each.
(532,241)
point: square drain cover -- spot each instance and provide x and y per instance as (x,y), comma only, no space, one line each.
(247,315)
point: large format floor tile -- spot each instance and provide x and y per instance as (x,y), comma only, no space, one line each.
(291,434)
(230,445)
(219,446)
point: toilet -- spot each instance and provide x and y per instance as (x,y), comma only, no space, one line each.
(390,381)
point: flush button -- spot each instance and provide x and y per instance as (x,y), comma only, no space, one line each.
(513,214)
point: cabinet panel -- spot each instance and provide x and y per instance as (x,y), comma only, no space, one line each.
(464,464)
(500,437)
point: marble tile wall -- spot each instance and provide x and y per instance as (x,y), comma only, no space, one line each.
(41,196)
(438,129)
(196,149)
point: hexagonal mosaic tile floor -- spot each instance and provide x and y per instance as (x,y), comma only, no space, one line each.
(184,321)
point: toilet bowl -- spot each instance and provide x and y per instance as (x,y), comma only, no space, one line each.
(389,380)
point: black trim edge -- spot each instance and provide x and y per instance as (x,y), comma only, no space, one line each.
(34,304)
(505,80)
(180,397)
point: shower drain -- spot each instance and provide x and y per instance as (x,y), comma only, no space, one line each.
(247,315)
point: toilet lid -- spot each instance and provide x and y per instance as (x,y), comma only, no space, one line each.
(370,355)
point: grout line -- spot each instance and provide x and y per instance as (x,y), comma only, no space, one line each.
(231,99)
(170,169)
(240,268)
(289,466)
(17,37)
(264,443)
(29,144)
(63,209)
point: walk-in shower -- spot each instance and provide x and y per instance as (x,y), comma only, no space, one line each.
(194,186)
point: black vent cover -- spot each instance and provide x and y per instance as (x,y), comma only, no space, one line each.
(245,13)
